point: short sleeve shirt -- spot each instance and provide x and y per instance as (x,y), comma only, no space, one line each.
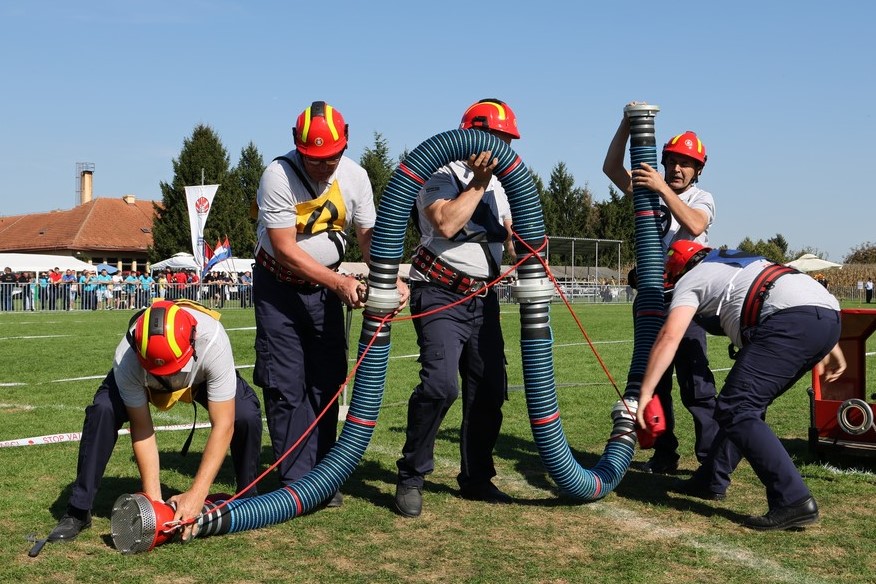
(469,256)
(695,198)
(718,289)
(213,365)
(284,201)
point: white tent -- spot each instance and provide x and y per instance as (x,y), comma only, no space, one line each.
(186,261)
(31,262)
(812,263)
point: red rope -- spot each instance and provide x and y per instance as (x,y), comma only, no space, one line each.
(393,318)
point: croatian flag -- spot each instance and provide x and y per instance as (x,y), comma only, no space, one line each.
(221,252)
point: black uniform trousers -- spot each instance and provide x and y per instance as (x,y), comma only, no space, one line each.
(301,362)
(777,353)
(107,413)
(463,340)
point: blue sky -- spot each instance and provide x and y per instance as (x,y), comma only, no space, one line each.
(781,93)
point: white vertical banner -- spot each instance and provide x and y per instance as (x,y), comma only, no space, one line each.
(199,200)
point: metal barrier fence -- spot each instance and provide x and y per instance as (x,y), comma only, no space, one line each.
(67,296)
(76,297)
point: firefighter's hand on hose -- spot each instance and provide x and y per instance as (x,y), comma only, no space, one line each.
(482,166)
(648,177)
(187,506)
(351,291)
(404,293)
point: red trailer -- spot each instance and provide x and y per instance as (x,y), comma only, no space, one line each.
(842,412)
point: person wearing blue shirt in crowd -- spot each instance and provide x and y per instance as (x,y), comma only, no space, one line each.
(43,290)
(132,286)
(104,289)
(146,283)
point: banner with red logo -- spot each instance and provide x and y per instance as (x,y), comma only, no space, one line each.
(199,200)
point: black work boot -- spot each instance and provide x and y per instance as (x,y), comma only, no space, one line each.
(409,500)
(70,525)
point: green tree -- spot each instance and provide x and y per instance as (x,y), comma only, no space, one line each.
(769,249)
(378,164)
(864,253)
(243,186)
(202,160)
(616,220)
(568,209)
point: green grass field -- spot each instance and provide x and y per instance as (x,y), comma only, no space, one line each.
(638,533)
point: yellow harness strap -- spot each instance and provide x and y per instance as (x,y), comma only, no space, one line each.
(164,400)
(186,303)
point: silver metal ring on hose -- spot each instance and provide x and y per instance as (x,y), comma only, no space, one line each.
(858,405)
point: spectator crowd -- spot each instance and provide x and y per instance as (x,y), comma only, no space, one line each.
(58,289)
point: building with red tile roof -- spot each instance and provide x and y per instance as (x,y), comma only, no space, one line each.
(102,230)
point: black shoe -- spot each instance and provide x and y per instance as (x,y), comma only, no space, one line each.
(694,488)
(69,527)
(335,500)
(487,492)
(409,500)
(661,466)
(792,516)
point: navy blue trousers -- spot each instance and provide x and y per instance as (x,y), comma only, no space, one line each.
(465,340)
(777,353)
(107,413)
(696,385)
(301,362)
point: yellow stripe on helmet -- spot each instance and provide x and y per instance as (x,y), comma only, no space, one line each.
(169,331)
(499,107)
(306,127)
(144,337)
(330,120)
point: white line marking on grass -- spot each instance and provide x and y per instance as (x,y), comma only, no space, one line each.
(13,384)
(34,337)
(768,568)
(242,328)
(78,378)
(25,407)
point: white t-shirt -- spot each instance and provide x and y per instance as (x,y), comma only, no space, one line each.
(695,198)
(213,364)
(469,256)
(718,289)
(284,201)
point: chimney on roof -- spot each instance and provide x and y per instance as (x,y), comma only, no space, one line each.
(129,199)
(84,180)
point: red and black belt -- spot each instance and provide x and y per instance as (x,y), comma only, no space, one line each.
(445,275)
(759,291)
(267,261)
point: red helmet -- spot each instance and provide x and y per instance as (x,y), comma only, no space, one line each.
(687,144)
(163,337)
(320,131)
(490,114)
(682,256)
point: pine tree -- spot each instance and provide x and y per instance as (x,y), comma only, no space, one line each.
(243,186)
(202,158)
(616,220)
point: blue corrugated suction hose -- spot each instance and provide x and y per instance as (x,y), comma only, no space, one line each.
(533,290)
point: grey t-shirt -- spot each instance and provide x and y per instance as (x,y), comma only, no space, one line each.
(695,198)
(213,365)
(284,201)
(718,289)
(469,256)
